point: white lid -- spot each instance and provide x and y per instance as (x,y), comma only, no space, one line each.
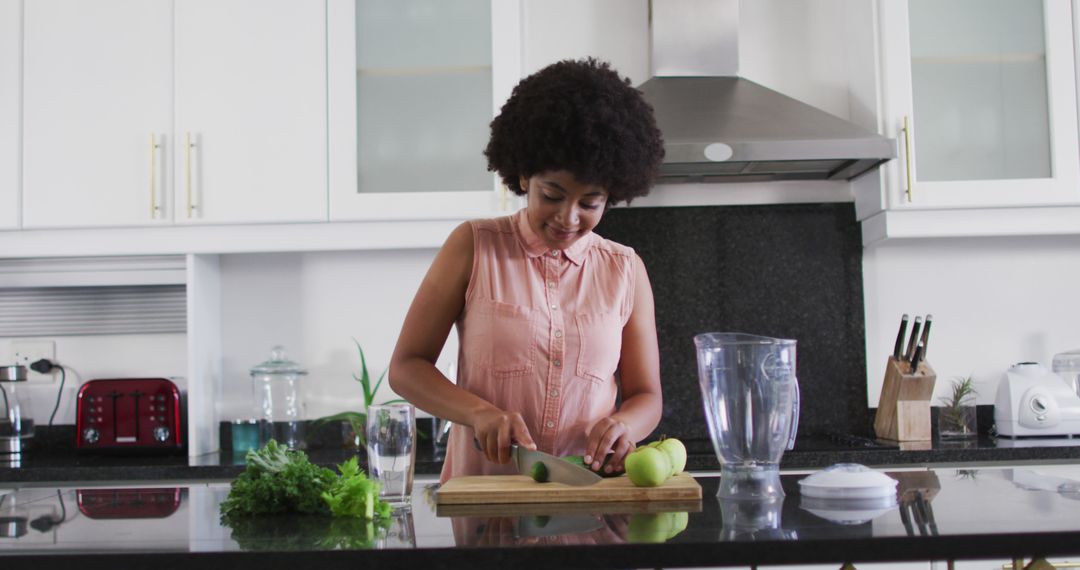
(848,511)
(848,481)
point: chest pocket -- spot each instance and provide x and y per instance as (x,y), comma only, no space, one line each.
(502,337)
(601,345)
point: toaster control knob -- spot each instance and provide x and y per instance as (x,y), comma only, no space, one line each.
(91,435)
(161,434)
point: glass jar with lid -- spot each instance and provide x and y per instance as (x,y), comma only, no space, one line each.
(16,424)
(278,399)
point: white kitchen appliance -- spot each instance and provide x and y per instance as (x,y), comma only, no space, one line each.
(1032,401)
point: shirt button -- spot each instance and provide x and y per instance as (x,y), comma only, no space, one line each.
(554,393)
(558,334)
(557,363)
(549,424)
(551,284)
(554,253)
(554,307)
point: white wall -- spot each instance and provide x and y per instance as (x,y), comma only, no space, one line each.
(104,356)
(995,301)
(315,304)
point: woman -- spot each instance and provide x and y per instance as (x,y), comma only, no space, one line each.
(546,311)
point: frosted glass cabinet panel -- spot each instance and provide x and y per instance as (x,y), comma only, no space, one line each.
(416,61)
(978,73)
(414,85)
(987,89)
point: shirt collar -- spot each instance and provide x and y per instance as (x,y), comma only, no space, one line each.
(534,246)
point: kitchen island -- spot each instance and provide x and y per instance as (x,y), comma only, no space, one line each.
(942,514)
(57,461)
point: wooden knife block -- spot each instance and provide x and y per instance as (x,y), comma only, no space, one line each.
(903,412)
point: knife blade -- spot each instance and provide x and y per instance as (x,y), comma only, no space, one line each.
(559,470)
(555,525)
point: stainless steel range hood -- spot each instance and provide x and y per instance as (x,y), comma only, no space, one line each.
(719,127)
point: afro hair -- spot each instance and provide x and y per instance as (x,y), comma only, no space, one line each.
(580,116)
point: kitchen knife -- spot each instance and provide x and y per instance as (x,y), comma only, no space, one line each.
(900,338)
(917,358)
(559,470)
(925,334)
(913,340)
(555,525)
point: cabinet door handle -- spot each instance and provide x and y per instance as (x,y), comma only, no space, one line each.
(154,146)
(191,205)
(907,156)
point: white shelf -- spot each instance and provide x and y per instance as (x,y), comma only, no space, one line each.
(225,239)
(970,222)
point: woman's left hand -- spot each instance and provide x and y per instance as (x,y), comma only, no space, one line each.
(609,435)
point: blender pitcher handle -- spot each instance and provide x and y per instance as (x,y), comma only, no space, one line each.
(794,416)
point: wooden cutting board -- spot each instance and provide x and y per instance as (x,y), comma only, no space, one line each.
(501,489)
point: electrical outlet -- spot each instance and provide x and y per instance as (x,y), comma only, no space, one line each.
(26,352)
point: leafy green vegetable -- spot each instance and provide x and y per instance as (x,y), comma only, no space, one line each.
(291,533)
(354,495)
(278,481)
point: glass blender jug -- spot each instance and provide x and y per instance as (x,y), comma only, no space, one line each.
(16,425)
(751,400)
(275,386)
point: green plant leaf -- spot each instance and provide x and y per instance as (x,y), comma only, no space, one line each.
(365,378)
(962,388)
(377,385)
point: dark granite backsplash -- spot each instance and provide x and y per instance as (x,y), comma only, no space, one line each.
(788,271)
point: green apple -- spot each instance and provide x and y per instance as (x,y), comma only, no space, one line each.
(648,527)
(676,452)
(679,521)
(648,467)
(539,472)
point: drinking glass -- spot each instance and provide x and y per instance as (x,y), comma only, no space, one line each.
(391,450)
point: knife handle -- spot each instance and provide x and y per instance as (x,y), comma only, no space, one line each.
(900,338)
(913,340)
(926,334)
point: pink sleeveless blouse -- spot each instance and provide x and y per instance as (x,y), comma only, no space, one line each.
(540,334)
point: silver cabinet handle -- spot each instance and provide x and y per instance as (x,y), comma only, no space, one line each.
(154,207)
(191,205)
(907,156)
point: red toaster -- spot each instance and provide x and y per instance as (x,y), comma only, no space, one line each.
(128,413)
(128,503)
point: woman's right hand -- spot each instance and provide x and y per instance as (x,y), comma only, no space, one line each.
(496,429)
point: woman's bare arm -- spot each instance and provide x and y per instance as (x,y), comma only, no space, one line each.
(639,372)
(413,375)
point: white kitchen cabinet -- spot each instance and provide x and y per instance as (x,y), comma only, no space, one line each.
(97,112)
(988,93)
(413,86)
(250,111)
(141,112)
(10,81)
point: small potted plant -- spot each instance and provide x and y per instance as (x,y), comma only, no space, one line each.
(957,417)
(356,421)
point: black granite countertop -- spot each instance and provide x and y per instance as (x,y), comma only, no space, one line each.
(940,514)
(56,463)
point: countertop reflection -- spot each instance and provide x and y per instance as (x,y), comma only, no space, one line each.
(939,514)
